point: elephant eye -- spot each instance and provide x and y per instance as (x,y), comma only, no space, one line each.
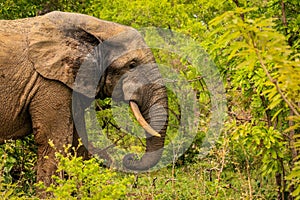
(132,64)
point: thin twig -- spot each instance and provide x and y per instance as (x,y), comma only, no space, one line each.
(248,175)
(222,166)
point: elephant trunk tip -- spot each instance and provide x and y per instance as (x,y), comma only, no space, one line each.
(148,161)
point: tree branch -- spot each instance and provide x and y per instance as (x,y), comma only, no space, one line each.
(238,5)
(276,84)
(284,21)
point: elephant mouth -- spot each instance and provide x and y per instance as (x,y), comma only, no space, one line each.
(137,113)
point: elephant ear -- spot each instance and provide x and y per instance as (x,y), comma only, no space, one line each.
(60,43)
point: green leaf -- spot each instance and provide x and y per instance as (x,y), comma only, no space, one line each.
(273,153)
(276,114)
(275,101)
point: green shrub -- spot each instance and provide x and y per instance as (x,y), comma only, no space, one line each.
(78,179)
(17,163)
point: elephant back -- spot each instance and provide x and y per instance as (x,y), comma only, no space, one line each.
(13,42)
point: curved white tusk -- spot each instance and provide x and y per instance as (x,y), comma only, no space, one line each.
(136,111)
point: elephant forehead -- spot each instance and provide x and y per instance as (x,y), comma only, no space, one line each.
(100,29)
(128,41)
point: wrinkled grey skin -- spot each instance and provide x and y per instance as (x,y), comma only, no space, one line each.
(40,59)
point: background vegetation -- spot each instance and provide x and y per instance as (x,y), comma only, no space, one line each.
(255,45)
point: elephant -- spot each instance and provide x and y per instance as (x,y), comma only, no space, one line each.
(53,66)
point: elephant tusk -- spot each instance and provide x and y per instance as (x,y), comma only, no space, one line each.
(136,111)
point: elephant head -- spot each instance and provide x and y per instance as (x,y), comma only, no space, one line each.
(102,59)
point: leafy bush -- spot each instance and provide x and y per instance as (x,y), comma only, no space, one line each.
(17,168)
(78,179)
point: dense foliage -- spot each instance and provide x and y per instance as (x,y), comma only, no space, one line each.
(255,45)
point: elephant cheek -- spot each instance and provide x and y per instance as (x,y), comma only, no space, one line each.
(131,90)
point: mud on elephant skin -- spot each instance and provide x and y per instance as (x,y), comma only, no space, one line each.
(53,63)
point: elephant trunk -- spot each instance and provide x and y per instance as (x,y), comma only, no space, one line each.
(154,109)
